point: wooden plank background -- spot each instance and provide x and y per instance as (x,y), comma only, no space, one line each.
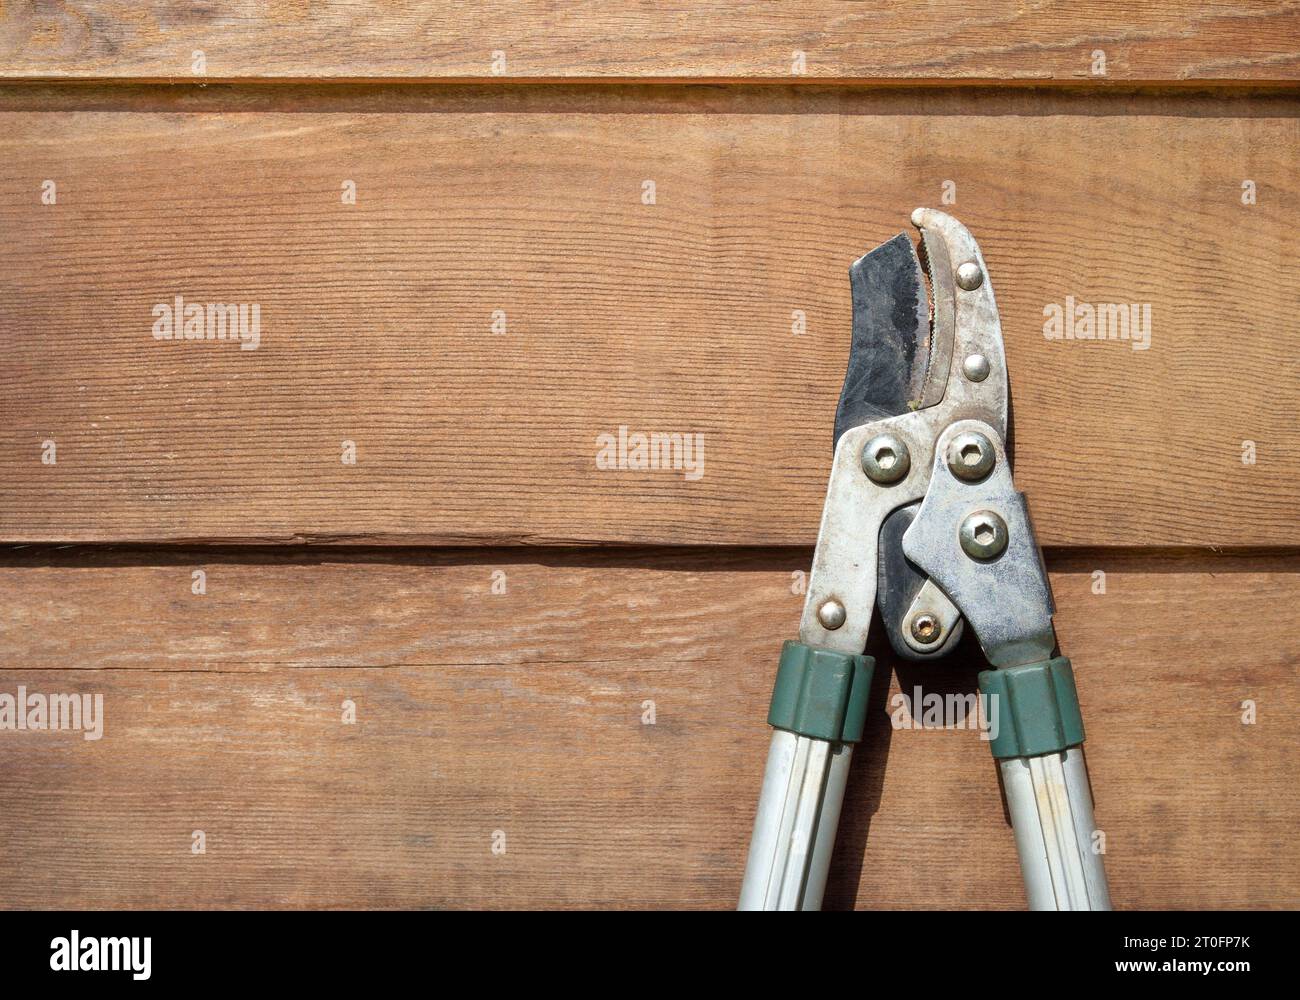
(521,191)
(522,712)
(377,318)
(998,40)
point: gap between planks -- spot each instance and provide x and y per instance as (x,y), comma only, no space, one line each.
(658,97)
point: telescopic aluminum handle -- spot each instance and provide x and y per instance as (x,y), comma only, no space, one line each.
(794,831)
(1056,834)
(1039,751)
(818,709)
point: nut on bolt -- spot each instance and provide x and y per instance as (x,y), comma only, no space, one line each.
(983,535)
(971,456)
(885,459)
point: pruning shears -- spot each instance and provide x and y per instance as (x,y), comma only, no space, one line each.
(923,520)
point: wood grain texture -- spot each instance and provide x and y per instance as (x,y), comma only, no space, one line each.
(1002,40)
(674,317)
(503,688)
(522,711)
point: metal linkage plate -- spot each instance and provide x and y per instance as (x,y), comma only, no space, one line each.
(995,573)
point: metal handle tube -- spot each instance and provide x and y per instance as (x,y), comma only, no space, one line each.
(1038,746)
(819,705)
(794,830)
(1052,817)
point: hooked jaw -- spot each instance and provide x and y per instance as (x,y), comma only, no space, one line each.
(968,368)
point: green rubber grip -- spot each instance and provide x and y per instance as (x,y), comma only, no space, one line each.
(821,693)
(1037,708)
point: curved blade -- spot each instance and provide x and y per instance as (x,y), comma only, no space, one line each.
(890,351)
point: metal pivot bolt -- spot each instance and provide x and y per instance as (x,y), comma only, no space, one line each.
(926,628)
(885,459)
(970,276)
(971,456)
(983,535)
(832,615)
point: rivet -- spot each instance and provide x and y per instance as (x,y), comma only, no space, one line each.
(832,615)
(970,276)
(975,367)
